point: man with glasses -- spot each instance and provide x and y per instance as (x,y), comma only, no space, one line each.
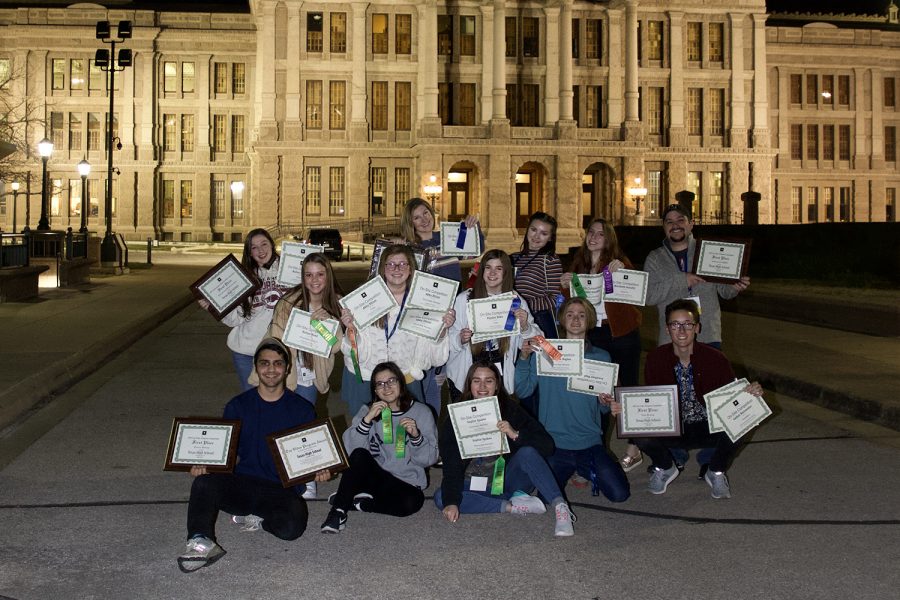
(696,369)
(670,278)
(253,493)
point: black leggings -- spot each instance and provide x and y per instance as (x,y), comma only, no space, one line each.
(390,496)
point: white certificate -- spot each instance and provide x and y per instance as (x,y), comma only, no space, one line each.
(593,287)
(629,287)
(369,302)
(741,414)
(488,317)
(432,292)
(422,322)
(720,259)
(598,377)
(648,411)
(290,264)
(308,451)
(474,417)
(225,286)
(299,333)
(486,444)
(450,237)
(717,398)
(202,444)
(571,364)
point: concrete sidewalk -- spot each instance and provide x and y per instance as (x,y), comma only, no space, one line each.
(51,344)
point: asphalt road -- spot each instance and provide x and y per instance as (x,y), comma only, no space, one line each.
(87,511)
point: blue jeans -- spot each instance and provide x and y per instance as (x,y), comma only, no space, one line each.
(609,477)
(525,471)
(243,364)
(432,390)
(308,393)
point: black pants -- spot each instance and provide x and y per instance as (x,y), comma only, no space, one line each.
(624,350)
(693,435)
(390,496)
(283,511)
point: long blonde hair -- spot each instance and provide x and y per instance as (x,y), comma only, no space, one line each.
(479,290)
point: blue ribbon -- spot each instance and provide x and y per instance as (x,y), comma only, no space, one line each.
(511,318)
(461,240)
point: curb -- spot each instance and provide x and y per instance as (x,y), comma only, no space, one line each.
(29,394)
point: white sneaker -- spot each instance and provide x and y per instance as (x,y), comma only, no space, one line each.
(525,504)
(200,552)
(564,520)
(311,491)
(247,522)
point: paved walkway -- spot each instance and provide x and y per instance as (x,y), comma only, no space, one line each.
(50,344)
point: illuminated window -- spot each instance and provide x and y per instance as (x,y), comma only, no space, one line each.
(313,190)
(812,204)
(796,142)
(95,131)
(187,199)
(75,126)
(78,75)
(170,77)
(694,41)
(402,105)
(314,28)
(238,78)
(336,191)
(716,42)
(379,34)
(169,128)
(379,105)
(796,203)
(401,189)
(655,110)
(467,36)
(187,77)
(378,184)
(337,98)
(187,133)
(403,34)
(217,200)
(593,102)
(57,129)
(219,133)
(168,197)
(716,111)
(96,77)
(220,72)
(59,74)
(593,39)
(237,133)
(314,105)
(654,40)
(695,111)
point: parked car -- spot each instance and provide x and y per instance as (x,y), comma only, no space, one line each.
(328,238)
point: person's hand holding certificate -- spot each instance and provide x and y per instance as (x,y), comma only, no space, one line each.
(299,333)
(225,286)
(592,286)
(369,302)
(741,413)
(717,398)
(493,317)
(723,260)
(459,240)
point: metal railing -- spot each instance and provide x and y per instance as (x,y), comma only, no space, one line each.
(14,250)
(368,228)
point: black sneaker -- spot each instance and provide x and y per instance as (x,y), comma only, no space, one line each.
(362,502)
(335,522)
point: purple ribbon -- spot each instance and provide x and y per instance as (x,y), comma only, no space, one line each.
(461,240)
(607,281)
(511,318)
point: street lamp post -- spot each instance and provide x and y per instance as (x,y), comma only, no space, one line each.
(45,149)
(107,60)
(15,188)
(84,169)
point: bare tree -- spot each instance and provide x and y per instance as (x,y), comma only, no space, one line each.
(21,119)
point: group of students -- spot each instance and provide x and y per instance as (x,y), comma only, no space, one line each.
(555,436)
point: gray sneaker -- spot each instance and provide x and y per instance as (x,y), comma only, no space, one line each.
(718,481)
(564,520)
(248,522)
(661,478)
(200,552)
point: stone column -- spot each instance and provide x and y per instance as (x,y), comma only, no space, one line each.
(551,80)
(265,71)
(616,61)
(738,134)
(874,105)
(359,125)
(567,127)
(858,104)
(145,207)
(488,48)
(428,69)
(293,127)
(761,89)
(499,88)
(677,132)
(631,61)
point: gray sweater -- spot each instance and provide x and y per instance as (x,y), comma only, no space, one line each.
(421,452)
(668,283)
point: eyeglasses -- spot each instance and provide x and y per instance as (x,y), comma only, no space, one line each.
(397,266)
(678,325)
(380,385)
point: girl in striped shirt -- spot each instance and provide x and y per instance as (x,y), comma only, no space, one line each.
(538,271)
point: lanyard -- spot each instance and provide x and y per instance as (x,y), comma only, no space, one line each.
(388,336)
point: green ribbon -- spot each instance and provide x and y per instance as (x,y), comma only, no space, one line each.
(400,443)
(329,337)
(576,285)
(387,426)
(497,481)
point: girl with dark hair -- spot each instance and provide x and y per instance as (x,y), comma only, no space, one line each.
(526,466)
(390,444)
(251,319)
(538,269)
(495,276)
(382,341)
(618,325)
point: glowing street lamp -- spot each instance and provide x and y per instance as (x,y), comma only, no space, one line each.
(432,190)
(637,191)
(15,188)
(84,169)
(45,149)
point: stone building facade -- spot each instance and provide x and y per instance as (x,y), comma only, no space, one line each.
(287,113)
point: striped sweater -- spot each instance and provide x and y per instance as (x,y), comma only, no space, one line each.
(537,279)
